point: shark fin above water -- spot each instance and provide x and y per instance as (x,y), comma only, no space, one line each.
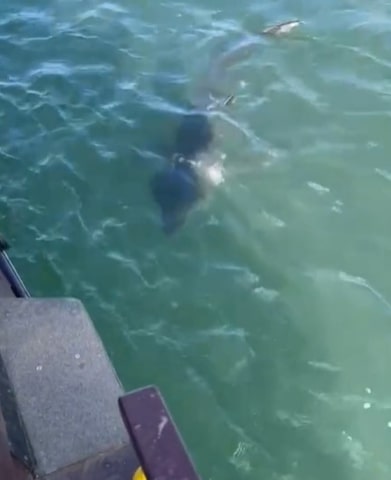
(219,66)
(281,28)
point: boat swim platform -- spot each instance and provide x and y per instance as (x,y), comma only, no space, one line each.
(64,414)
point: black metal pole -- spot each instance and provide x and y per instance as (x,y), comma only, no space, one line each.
(16,284)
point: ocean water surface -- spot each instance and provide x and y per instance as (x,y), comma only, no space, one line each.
(266,320)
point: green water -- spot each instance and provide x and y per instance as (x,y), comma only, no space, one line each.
(266,321)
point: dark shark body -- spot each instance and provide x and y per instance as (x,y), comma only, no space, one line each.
(178,187)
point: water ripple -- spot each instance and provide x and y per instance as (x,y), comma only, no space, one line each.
(89,99)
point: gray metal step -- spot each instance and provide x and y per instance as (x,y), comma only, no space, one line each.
(65,387)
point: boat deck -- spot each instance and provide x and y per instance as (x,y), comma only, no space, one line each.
(58,438)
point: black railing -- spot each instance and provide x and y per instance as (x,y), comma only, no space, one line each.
(8,270)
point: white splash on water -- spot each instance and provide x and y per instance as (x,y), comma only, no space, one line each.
(337,206)
(318,188)
(215,173)
(354,449)
(266,294)
(383,173)
(361,282)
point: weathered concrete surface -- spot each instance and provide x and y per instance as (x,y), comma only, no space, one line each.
(17,436)
(10,468)
(5,289)
(64,384)
(6,466)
